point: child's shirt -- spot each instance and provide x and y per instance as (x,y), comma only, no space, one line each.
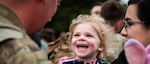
(68,60)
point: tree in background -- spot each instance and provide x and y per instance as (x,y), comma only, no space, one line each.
(68,10)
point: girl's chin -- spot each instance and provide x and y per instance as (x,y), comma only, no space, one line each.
(80,56)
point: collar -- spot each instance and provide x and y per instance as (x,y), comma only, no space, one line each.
(10,25)
(11,17)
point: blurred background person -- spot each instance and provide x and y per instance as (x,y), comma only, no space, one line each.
(47,36)
(113,14)
(96,9)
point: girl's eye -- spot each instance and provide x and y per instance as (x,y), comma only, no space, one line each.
(76,35)
(89,35)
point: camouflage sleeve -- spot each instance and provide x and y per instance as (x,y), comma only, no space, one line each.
(22,51)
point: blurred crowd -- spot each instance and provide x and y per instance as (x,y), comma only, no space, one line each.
(110,34)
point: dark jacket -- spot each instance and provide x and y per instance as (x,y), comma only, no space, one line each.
(121,59)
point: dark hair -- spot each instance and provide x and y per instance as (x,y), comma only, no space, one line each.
(143,10)
(48,34)
(96,4)
(112,11)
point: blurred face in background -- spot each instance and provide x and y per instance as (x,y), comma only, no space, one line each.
(96,10)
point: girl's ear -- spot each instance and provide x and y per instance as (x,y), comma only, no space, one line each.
(101,47)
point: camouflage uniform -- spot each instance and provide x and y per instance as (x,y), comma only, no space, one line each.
(60,48)
(15,46)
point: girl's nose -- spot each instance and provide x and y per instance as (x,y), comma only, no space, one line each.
(82,38)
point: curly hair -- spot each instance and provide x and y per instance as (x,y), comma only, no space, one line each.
(98,25)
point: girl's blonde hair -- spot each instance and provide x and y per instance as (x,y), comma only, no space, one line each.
(98,25)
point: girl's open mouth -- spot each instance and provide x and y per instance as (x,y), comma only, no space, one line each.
(82,46)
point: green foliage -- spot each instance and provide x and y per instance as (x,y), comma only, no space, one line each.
(68,10)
